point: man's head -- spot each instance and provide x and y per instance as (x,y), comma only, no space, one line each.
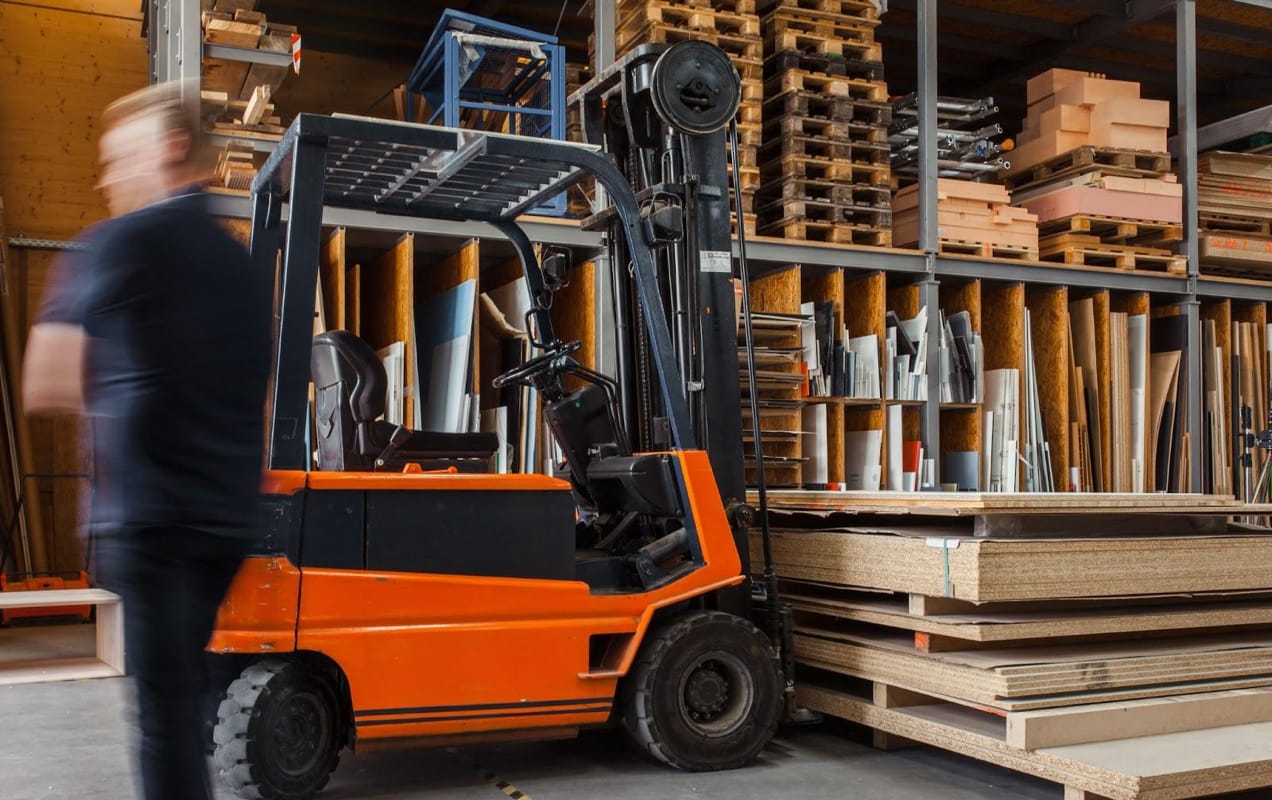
(149,146)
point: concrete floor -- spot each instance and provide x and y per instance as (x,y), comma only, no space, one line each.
(74,744)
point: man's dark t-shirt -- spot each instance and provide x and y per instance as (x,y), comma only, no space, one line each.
(178,324)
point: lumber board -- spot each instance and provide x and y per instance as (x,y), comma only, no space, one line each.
(1047,677)
(1101,722)
(388,284)
(1165,767)
(999,625)
(978,571)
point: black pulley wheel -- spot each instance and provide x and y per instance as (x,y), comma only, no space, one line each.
(695,87)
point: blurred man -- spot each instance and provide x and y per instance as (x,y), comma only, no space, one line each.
(160,329)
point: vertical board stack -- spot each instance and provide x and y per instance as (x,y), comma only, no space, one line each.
(1234,200)
(826,161)
(1092,164)
(731,25)
(781,377)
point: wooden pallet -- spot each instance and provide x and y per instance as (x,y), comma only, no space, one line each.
(811,210)
(861,196)
(827,63)
(987,250)
(1231,224)
(820,147)
(1179,765)
(829,232)
(749,178)
(815,104)
(747,52)
(804,81)
(821,127)
(1084,250)
(729,6)
(704,19)
(818,169)
(1110,161)
(1116,230)
(791,30)
(750,134)
(860,9)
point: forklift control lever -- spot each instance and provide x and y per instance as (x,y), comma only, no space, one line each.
(551,360)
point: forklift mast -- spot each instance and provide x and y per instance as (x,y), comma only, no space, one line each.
(663,113)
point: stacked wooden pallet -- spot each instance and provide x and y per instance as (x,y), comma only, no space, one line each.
(733,26)
(1092,164)
(826,171)
(1122,661)
(235,23)
(973,218)
(1234,201)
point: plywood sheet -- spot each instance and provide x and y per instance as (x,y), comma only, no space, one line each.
(331,270)
(778,292)
(987,570)
(1049,318)
(388,306)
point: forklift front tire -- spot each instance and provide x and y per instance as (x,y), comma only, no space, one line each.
(278,734)
(705,692)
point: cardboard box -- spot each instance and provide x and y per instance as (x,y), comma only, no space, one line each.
(1129,137)
(1090,91)
(1074,119)
(1094,201)
(1052,81)
(1124,111)
(1047,146)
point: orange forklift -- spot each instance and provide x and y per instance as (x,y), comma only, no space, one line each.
(403,591)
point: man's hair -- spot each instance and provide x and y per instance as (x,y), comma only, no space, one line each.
(176,103)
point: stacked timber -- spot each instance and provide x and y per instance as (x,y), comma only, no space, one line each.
(1234,202)
(731,25)
(826,160)
(1091,162)
(972,218)
(240,121)
(236,23)
(1118,648)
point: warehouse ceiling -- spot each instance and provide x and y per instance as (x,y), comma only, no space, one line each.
(987,47)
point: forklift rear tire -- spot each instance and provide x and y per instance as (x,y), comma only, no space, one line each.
(705,693)
(278,733)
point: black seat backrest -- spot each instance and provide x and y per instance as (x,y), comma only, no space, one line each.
(339,356)
(350,384)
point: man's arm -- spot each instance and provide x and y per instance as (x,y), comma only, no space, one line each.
(53,369)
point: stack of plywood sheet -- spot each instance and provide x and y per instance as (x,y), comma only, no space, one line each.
(973,218)
(734,27)
(1081,644)
(1234,201)
(236,23)
(1091,162)
(826,160)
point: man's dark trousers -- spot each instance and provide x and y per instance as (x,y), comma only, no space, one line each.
(172,580)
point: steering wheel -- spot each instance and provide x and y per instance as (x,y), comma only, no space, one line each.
(541,364)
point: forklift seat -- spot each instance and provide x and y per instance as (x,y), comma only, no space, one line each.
(350,385)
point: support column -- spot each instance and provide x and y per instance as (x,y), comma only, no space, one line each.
(929,236)
(1186,103)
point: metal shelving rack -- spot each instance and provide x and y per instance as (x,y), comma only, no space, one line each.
(176,55)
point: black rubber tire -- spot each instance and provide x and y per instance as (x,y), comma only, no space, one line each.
(278,734)
(724,650)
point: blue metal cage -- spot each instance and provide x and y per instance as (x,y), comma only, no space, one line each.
(478,73)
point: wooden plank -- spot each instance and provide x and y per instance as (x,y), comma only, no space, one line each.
(68,669)
(1034,730)
(971,625)
(57,598)
(961,504)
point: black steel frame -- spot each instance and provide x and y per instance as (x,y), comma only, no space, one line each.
(422,171)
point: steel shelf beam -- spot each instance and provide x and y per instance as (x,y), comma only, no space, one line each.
(1060,275)
(1234,289)
(259,145)
(247,55)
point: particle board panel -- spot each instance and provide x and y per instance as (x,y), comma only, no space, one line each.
(1044,674)
(388,311)
(1005,624)
(1165,767)
(332,273)
(961,504)
(1032,569)
(574,313)
(1049,319)
(778,292)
